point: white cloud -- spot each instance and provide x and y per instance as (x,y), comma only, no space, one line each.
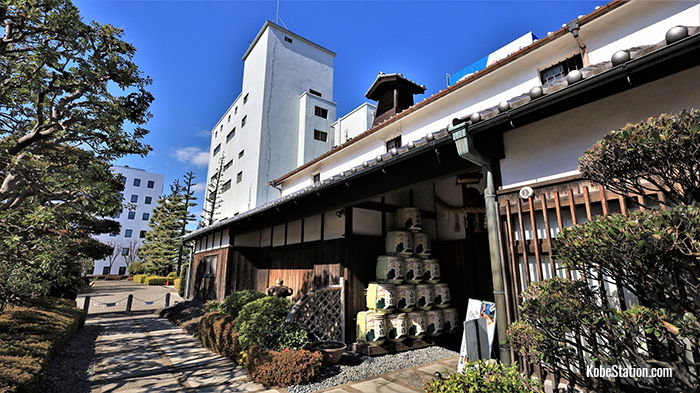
(193,155)
(204,133)
(199,187)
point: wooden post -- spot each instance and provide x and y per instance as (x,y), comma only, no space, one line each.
(86,304)
(129,301)
(167,300)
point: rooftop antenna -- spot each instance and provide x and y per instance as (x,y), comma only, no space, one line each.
(277,15)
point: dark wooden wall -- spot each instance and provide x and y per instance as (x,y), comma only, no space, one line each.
(209,287)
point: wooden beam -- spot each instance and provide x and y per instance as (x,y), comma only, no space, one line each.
(387,208)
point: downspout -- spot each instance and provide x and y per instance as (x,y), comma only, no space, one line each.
(574,28)
(466,150)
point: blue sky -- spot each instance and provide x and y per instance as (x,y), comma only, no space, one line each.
(193,49)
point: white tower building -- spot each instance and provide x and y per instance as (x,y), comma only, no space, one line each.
(281,119)
(141,190)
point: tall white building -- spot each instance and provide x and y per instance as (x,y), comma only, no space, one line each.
(281,119)
(141,191)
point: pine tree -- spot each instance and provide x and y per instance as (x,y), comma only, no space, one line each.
(162,244)
(212,201)
(185,217)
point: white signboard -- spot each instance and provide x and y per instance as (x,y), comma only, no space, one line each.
(479,331)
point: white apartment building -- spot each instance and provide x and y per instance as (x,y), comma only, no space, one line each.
(282,118)
(141,192)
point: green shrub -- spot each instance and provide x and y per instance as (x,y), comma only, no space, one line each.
(30,335)
(233,304)
(156,280)
(212,306)
(216,332)
(485,377)
(140,278)
(282,368)
(172,275)
(262,323)
(177,283)
(183,279)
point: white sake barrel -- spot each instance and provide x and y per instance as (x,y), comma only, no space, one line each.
(413,270)
(390,268)
(421,245)
(417,324)
(441,293)
(380,297)
(397,327)
(435,322)
(451,320)
(431,271)
(408,218)
(371,327)
(424,296)
(406,297)
(399,243)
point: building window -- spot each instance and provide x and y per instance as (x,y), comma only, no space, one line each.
(226,186)
(151,184)
(105,270)
(239,177)
(137,182)
(131,215)
(317,178)
(231,134)
(320,135)
(128,233)
(245,98)
(217,149)
(210,265)
(243,121)
(288,39)
(145,216)
(235,110)
(321,112)
(148,200)
(134,198)
(228,164)
(241,153)
(142,235)
(316,93)
(229,119)
(122,270)
(122,179)
(393,143)
(125,251)
(560,69)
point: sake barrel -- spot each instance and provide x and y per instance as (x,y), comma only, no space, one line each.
(442,295)
(408,218)
(424,296)
(421,245)
(371,327)
(417,324)
(435,322)
(399,243)
(406,297)
(451,320)
(380,297)
(413,270)
(431,271)
(397,327)
(390,268)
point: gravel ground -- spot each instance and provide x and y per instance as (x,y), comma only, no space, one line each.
(362,367)
(71,370)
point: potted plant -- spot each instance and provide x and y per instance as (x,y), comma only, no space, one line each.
(332,351)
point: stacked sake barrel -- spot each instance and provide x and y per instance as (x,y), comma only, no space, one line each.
(408,293)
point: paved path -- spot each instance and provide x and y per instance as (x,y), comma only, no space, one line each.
(408,380)
(146,297)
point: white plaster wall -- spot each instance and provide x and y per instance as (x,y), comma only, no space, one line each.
(278,235)
(250,239)
(366,222)
(309,148)
(137,224)
(354,123)
(334,226)
(552,146)
(294,232)
(312,228)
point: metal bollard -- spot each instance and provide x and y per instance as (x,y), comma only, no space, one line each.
(86,304)
(129,301)
(167,300)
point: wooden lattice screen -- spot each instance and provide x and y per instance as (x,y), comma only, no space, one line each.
(322,312)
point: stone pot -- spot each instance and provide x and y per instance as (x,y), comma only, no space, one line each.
(332,351)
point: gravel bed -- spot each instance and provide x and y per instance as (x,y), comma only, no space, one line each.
(356,368)
(71,370)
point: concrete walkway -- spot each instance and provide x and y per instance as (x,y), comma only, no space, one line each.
(409,380)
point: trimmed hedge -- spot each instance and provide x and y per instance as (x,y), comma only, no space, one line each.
(216,331)
(157,280)
(140,278)
(282,368)
(172,275)
(177,283)
(30,335)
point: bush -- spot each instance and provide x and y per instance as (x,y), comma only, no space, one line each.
(216,332)
(262,323)
(183,278)
(233,304)
(186,315)
(156,280)
(171,275)
(282,368)
(212,306)
(140,278)
(485,377)
(30,335)
(177,283)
